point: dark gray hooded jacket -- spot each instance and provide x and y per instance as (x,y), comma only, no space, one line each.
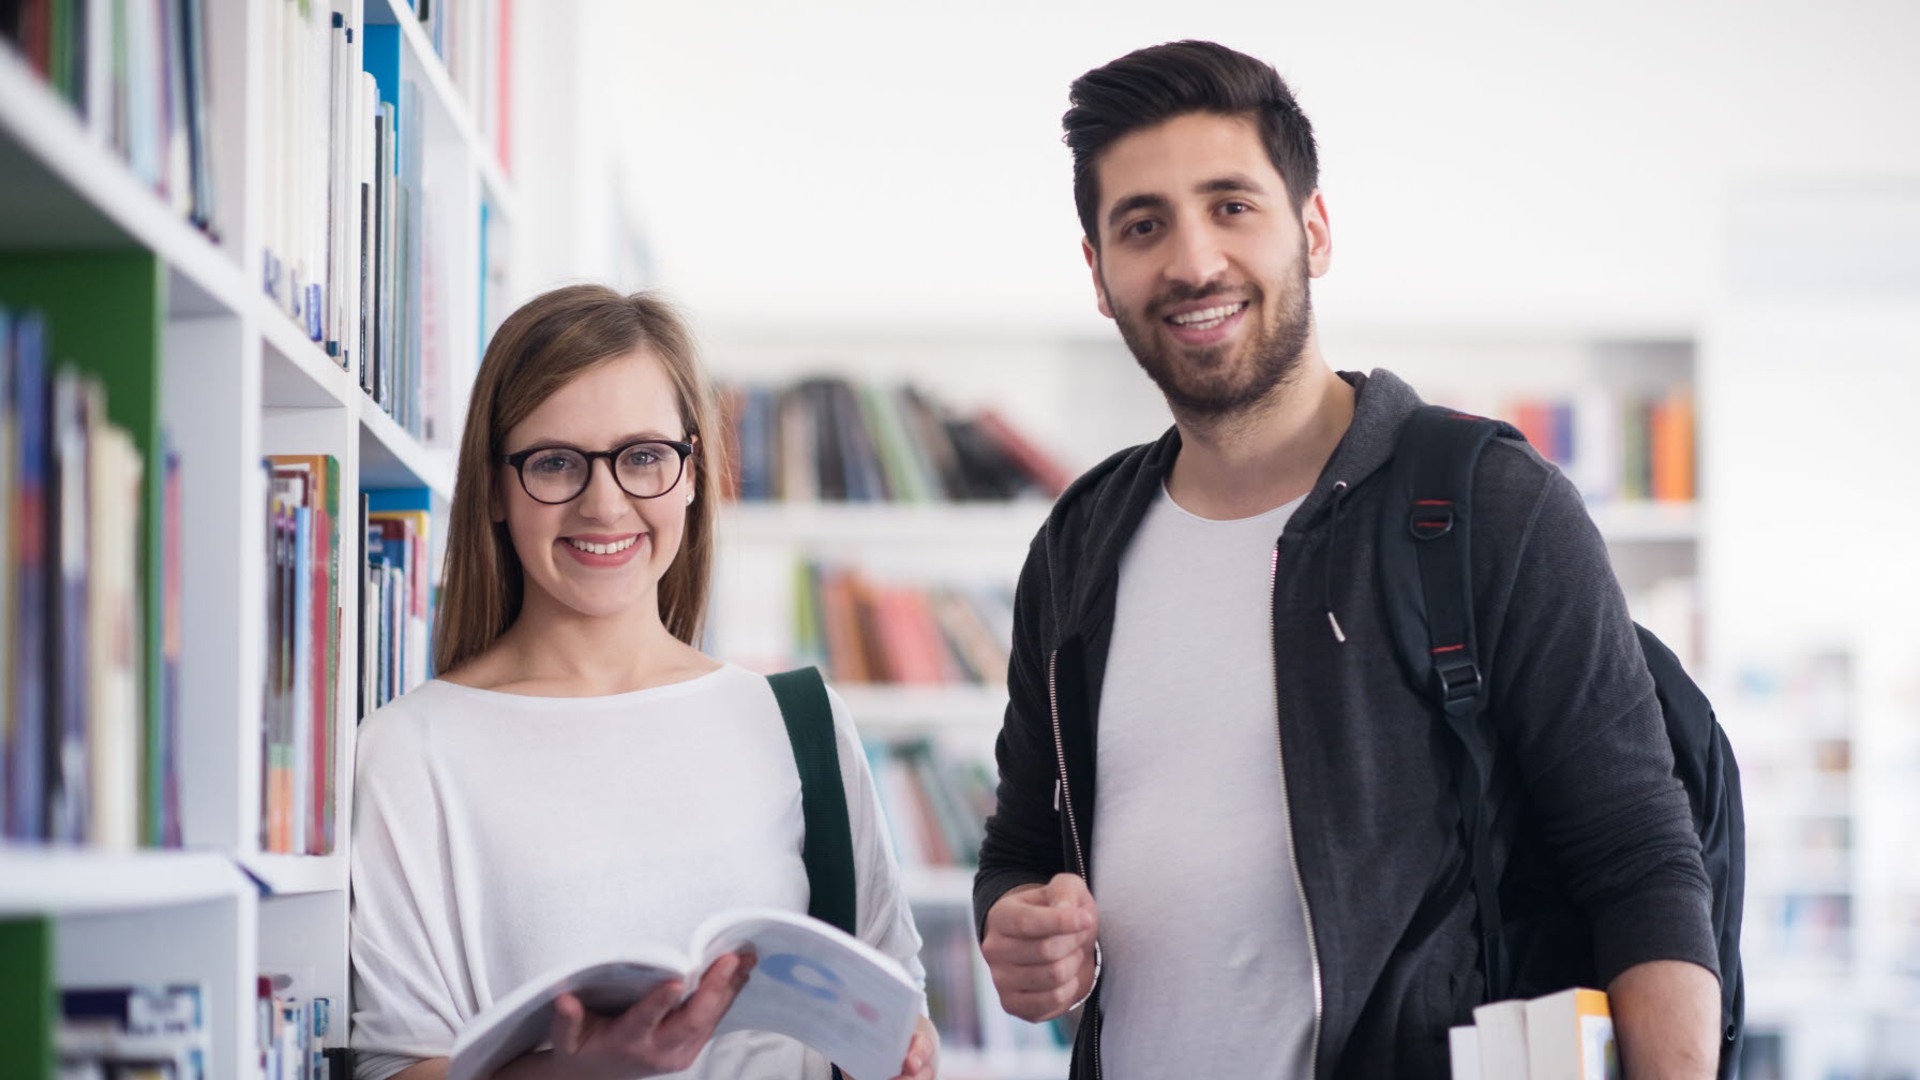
(1587,806)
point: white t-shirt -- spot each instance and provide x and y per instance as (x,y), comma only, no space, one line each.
(1205,964)
(498,836)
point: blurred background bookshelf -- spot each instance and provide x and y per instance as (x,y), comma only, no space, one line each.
(229,232)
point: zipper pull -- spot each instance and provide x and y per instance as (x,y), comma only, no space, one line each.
(1056,795)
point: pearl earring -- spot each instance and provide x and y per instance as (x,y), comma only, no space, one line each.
(689,498)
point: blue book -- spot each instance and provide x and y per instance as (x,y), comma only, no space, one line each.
(26,757)
(68,799)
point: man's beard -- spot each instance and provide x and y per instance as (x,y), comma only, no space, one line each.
(1208,384)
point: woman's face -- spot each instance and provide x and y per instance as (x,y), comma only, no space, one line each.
(602,553)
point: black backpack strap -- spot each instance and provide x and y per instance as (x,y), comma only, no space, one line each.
(1427,579)
(828,849)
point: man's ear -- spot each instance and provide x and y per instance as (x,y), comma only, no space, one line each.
(1099,287)
(1318,234)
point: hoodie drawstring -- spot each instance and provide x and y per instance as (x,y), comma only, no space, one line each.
(1333,542)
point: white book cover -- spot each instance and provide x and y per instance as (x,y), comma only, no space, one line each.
(1463,1052)
(810,982)
(1570,1037)
(1503,1040)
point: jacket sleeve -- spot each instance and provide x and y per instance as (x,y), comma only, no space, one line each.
(1573,695)
(1022,842)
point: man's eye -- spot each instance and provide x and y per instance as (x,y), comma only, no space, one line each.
(1142,227)
(1235,208)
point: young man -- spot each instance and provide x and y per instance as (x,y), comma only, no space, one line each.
(1208,731)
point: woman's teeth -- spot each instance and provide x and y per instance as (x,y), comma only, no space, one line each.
(603,549)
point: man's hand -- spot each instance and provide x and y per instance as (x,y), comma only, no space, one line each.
(1039,946)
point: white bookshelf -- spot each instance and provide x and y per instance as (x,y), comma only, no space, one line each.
(238,381)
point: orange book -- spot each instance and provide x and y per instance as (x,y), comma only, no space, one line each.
(1672,448)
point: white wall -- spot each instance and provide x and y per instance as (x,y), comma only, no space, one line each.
(861,165)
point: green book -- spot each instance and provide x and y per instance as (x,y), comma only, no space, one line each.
(27,999)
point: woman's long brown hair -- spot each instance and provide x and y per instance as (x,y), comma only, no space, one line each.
(547,343)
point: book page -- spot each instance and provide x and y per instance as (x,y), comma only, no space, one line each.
(522,1020)
(813,983)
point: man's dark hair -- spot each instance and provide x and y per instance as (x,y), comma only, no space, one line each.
(1156,84)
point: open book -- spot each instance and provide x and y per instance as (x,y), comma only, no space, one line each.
(811,982)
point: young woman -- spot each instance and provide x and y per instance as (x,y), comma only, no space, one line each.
(580,776)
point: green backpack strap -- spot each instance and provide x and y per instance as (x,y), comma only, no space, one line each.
(828,849)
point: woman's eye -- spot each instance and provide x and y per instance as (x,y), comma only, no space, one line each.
(642,458)
(552,463)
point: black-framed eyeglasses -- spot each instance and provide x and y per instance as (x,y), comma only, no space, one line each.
(646,469)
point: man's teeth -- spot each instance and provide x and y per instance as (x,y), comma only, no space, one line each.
(603,549)
(1207,318)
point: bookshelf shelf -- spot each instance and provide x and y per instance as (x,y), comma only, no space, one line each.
(69,881)
(61,190)
(293,875)
(883,523)
(890,709)
(1647,522)
(389,457)
(296,372)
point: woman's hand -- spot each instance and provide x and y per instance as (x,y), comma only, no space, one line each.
(923,1053)
(658,1034)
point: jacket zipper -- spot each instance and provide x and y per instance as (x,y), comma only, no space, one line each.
(1063,795)
(1293,857)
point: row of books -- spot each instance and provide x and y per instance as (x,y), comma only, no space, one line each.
(473,38)
(83,758)
(1561,1036)
(961,1000)
(1616,447)
(348,233)
(396,599)
(136,72)
(306,607)
(937,803)
(299,726)
(145,1030)
(290,1028)
(861,630)
(831,439)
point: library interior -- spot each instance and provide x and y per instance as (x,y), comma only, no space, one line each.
(252,253)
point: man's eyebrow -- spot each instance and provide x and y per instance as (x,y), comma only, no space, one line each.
(1219,185)
(1131,203)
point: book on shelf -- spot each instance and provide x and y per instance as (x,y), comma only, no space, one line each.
(1566,1035)
(136,75)
(832,440)
(811,982)
(937,802)
(1615,447)
(397,596)
(290,1025)
(865,631)
(78,743)
(28,997)
(304,624)
(141,1030)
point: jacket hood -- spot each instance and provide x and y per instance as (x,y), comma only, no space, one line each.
(1096,517)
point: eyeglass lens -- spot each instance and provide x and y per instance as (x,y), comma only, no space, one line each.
(643,470)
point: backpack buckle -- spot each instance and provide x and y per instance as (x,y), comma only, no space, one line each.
(1456,681)
(1430,519)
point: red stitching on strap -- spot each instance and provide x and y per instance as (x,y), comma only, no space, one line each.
(1449,648)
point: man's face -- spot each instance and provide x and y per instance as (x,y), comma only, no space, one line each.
(1203,263)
